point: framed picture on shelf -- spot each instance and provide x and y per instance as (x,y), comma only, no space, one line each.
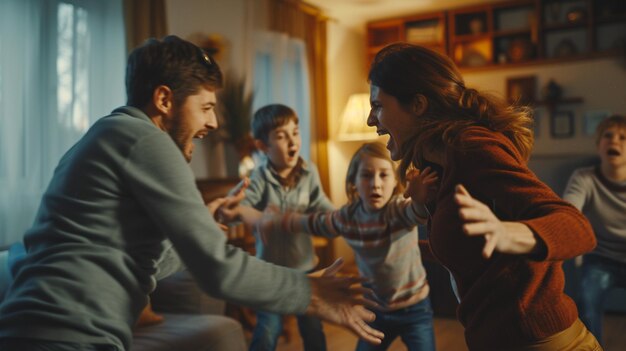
(593,118)
(562,124)
(521,90)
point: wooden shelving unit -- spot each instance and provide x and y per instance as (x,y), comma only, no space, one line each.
(511,33)
(424,29)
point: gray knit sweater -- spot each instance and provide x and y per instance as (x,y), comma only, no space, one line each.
(93,249)
(604,203)
(293,250)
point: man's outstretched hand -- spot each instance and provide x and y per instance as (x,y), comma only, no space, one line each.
(340,300)
(223,209)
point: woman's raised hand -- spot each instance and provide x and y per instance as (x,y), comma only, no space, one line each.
(421,185)
(505,237)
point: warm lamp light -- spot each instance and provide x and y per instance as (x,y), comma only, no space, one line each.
(354,119)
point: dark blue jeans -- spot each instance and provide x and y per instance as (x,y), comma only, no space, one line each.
(599,275)
(414,324)
(23,344)
(270,325)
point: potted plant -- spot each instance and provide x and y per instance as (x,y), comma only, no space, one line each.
(235,109)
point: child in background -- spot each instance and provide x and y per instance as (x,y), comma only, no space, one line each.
(600,193)
(285,182)
(380,226)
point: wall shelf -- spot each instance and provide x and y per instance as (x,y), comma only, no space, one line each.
(506,34)
(551,105)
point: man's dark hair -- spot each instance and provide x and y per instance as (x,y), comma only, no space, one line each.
(173,62)
(270,117)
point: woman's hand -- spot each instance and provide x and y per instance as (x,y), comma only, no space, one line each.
(505,237)
(340,300)
(421,185)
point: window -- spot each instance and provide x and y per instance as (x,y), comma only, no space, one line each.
(71,67)
(281,76)
(63,71)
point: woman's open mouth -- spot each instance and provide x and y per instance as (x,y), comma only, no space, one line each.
(613,152)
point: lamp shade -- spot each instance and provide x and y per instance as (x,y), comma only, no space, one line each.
(353,124)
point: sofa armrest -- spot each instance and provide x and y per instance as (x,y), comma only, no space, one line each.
(179,293)
(186,332)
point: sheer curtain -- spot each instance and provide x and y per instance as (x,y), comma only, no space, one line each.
(64,70)
(281,76)
(303,21)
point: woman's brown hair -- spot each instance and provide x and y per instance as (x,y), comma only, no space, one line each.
(404,71)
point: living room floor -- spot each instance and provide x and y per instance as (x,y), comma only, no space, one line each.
(448,336)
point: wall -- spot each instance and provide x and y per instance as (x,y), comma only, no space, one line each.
(346,76)
(600,82)
(229,19)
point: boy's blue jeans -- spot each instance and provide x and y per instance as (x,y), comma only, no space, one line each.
(414,324)
(599,275)
(270,325)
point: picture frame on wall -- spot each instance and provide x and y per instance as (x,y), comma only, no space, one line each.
(521,90)
(592,119)
(562,124)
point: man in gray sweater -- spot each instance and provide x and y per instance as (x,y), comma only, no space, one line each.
(114,199)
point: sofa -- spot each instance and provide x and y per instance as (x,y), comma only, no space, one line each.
(193,321)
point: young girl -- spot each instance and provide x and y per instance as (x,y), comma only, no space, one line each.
(380,226)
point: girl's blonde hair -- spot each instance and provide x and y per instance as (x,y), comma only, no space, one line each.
(373,149)
(405,71)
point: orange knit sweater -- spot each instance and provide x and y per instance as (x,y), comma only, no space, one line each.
(507,300)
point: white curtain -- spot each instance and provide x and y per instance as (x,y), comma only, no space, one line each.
(281,76)
(61,67)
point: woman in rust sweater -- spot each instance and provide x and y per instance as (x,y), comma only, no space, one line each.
(501,232)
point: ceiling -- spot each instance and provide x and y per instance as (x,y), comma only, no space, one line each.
(355,13)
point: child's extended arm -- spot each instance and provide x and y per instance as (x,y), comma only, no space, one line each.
(250,216)
(271,220)
(326,224)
